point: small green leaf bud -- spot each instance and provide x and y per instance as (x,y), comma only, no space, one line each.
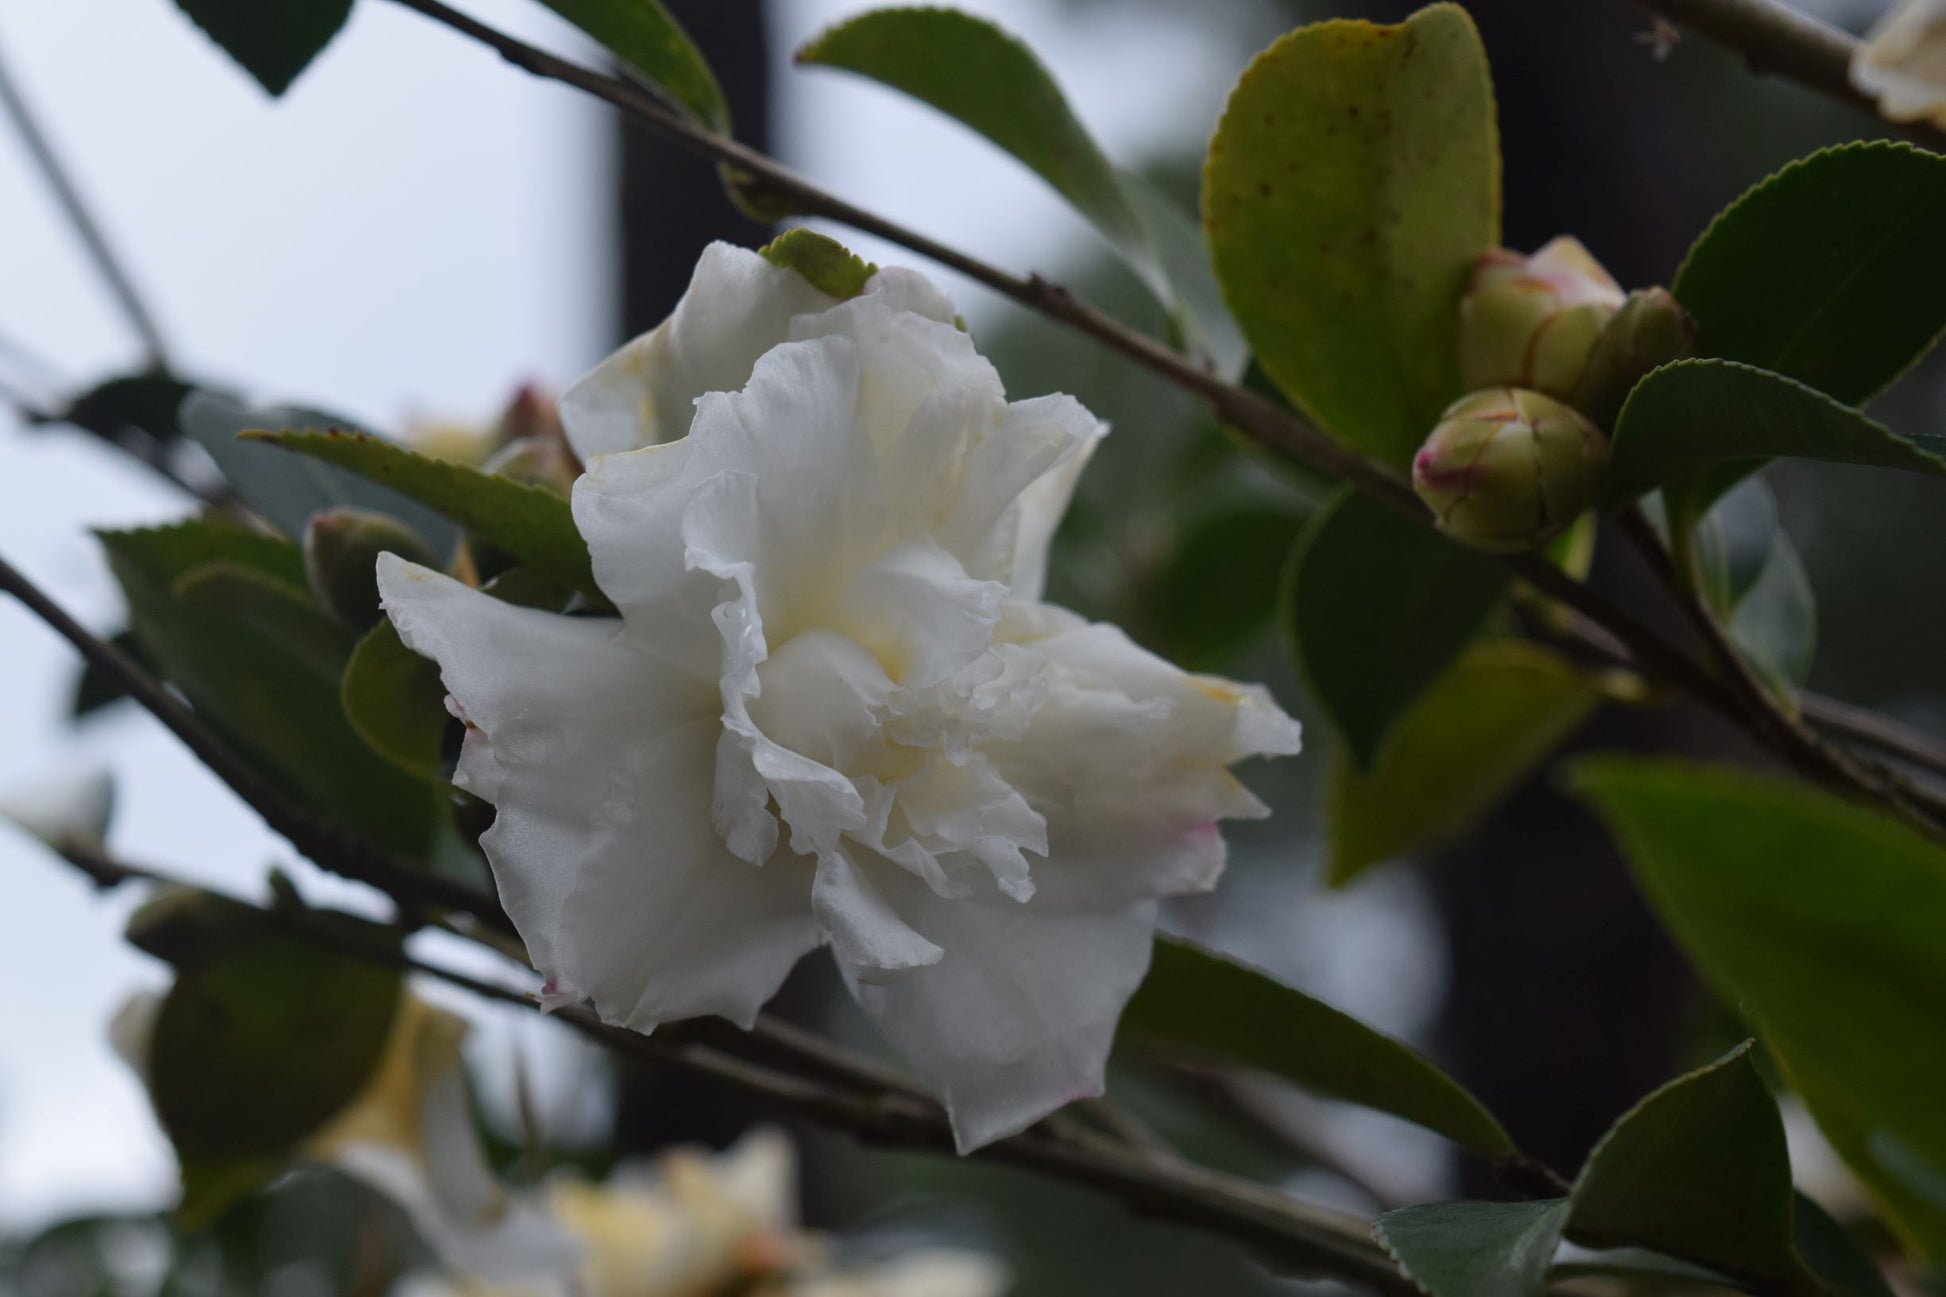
(1650,330)
(341,549)
(1531,321)
(1508,469)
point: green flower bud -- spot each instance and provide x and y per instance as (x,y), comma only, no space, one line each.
(1507,469)
(1651,329)
(538,461)
(1531,321)
(341,549)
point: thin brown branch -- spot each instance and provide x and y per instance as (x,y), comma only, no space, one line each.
(1762,711)
(1869,729)
(1310,1238)
(62,186)
(322,843)
(1777,40)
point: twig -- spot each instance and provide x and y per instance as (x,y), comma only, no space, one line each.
(1870,729)
(322,843)
(1775,39)
(85,226)
(1788,735)
(1152,1183)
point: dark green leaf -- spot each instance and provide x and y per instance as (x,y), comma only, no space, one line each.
(1834,1254)
(1727,418)
(1203,1005)
(256,1050)
(1698,1170)
(1831,272)
(395,701)
(988,80)
(530,523)
(274,40)
(1819,918)
(1353,179)
(827,264)
(1475,1249)
(267,693)
(642,34)
(285,490)
(268,606)
(1218,588)
(1380,607)
(147,403)
(1475,735)
(95,689)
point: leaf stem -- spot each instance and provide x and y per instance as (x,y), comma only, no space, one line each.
(62,186)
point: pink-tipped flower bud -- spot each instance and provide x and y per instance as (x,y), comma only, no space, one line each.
(341,549)
(1649,331)
(1532,321)
(1506,469)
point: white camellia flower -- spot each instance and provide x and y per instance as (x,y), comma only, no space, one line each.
(834,709)
(1902,62)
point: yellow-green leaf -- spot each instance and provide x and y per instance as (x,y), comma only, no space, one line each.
(1481,729)
(1354,177)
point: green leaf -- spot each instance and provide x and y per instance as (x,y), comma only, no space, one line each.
(1775,623)
(989,81)
(1828,1249)
(147,403)
(395,701)
(1379,608)
(1698,1170)
(253,670)
(642,34)
(1475,1249)
(274,40)
(1204,1005)
(1482,729)
(1821,919)
(267,605)
(1728,418)
(1831,272)
(285,490)
(828,265)
(1352,181)
(95,689)
(532,524)
(256,1050)
(1217,589)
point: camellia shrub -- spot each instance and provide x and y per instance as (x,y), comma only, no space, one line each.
(745,649)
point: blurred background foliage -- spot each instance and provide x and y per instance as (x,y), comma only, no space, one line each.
(1520,957)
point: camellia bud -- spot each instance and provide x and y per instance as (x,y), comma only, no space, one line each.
(1651,329)
(538,461)
(1531,321)
(341,549)
(1507,469)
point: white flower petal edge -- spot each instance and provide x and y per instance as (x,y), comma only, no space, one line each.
(834,709)
(1902,62)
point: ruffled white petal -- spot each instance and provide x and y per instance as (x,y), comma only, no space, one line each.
(600,766)
(1018,1015)
(737,307)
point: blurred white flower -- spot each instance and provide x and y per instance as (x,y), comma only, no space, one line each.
(409,1133)
(834,709)
(72,806)
(695,1224)
(1902,62)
